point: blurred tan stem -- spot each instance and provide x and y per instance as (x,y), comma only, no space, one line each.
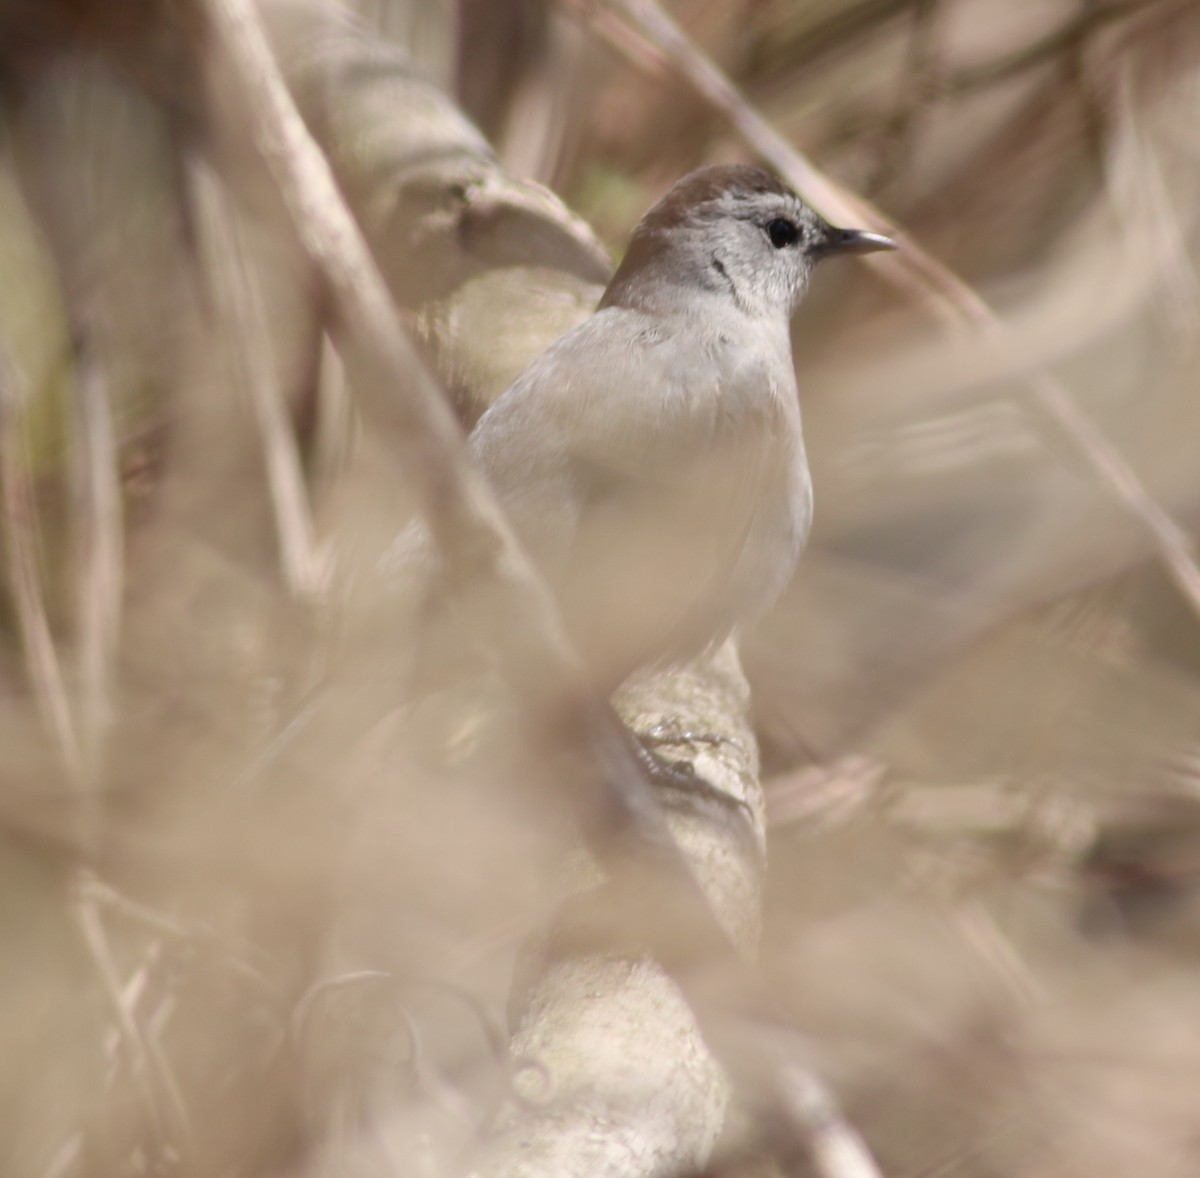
(237,304)
(920,275)
(24,578)
(837,1148)
(616,807)
(99,557)
(160,1092)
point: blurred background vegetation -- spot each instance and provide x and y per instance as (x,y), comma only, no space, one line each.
(978,706)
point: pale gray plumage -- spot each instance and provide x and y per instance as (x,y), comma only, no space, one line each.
(651,460)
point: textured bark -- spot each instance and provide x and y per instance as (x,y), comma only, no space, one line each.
(621,1081)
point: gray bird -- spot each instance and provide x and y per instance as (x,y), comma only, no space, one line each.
(651,460)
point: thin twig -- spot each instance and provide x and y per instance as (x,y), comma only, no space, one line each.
(835,1146)
(995,948)
(240,955)
(334,428)
(917,273)
(24,578)
(159,1088)
(100,554)
(237,303)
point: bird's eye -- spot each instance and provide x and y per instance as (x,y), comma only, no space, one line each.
(782,232)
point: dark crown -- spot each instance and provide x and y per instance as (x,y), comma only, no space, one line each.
(709,184)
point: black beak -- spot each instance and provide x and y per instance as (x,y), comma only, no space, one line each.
(853,241)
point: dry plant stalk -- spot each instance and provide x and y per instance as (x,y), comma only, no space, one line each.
(100,561)
(237,302)
(25,583)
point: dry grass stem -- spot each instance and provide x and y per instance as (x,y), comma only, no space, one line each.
(980,930)
(334,427)
(161,1095)
(237,302)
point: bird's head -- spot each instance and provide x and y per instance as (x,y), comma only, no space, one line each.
(729,231)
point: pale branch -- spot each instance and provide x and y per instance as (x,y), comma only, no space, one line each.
(99,540)
(238,306)
(919,274)
(160,1091)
